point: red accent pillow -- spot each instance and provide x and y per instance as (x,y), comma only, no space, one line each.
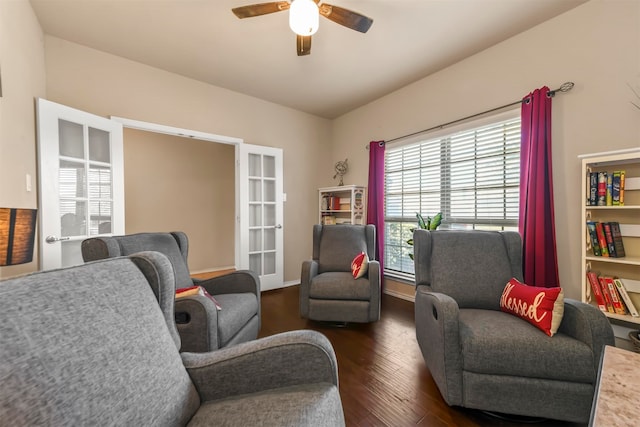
(542,307)
(360,265)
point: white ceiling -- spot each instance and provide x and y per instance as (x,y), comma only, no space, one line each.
(203,40)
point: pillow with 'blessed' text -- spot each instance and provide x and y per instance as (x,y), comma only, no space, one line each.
(542,307)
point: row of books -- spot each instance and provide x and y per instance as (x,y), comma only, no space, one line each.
(605,188)
(606,239)
(334,203)
(611,295)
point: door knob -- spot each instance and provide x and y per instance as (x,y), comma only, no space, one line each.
(53,239)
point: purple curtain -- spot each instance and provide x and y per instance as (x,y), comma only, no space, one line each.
(536,219)
(375,197)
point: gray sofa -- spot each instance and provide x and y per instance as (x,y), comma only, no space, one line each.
(201,326)
(483,358)
(97,345)
(328,291)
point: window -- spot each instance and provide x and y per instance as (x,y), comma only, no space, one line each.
(471,175)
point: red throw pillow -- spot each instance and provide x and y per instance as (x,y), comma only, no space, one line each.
(360,265)
(542,307)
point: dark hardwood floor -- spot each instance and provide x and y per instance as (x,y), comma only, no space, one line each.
(383,377)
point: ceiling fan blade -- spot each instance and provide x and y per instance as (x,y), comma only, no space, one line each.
(303,45)
(260,9)
(346,17)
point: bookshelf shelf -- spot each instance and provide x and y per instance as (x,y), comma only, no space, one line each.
(626,268)
(342,205)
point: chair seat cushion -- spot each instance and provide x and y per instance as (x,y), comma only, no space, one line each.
(497,343)
(339,286)
(245,306)
(306,405)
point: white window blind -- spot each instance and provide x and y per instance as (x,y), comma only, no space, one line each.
(471,176)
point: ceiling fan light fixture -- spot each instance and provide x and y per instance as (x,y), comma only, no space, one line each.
(304,17)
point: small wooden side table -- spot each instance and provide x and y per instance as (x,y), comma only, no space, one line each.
(616,401)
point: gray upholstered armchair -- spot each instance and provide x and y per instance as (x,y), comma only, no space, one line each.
(328,291)
(201,326)
(96,344)
(483,358)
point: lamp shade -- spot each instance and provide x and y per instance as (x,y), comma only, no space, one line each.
(304,17)
(17,234)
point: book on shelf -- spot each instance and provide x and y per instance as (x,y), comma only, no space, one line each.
(624,295)
(593,238)
(617,239)
(615,188)
(606,294)
(596,291)
(618,305)
(592,192)
(602,241)
(328,220)
(609,238)
(609,198)
(622,173)
(602,189)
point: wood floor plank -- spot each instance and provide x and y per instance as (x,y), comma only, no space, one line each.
(384,381)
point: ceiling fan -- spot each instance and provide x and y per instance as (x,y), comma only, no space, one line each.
(303,18)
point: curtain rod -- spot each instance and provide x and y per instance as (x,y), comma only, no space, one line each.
(565,87)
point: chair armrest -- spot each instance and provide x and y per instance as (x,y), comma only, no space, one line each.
(197,323)
(437,332)
(588,324)
(374,276)
(240,281)
(286,359)
(309,271)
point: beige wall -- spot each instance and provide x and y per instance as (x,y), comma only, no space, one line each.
(596,45)
(106,85)
(23,79)
(174,183)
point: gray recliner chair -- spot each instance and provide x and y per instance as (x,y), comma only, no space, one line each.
(96,344)
(483,358)
(201,326)
(328,291)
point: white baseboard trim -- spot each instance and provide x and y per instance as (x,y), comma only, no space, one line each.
(410,298)
(290,283)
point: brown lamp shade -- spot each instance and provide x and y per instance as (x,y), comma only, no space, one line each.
(17,234)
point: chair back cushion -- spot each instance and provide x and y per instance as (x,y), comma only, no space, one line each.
(472,267)
(88,345)
(335,246)
(173,245)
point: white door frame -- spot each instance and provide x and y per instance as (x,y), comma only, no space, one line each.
(204,136)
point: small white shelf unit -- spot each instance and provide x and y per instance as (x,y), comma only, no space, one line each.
(345,204)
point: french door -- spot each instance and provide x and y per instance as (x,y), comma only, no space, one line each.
(81,181)
(261,213)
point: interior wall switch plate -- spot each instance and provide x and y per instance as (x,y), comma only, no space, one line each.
(28,182)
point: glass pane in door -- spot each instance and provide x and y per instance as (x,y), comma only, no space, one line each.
(255,167)
(269,263)
(71,139)
(72,218)
(99,149)
(269,167)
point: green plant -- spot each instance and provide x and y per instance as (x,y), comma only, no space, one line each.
(429,224)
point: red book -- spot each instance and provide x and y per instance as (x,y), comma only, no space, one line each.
(602,241)
(592,276)
(618,305)
(606,294)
